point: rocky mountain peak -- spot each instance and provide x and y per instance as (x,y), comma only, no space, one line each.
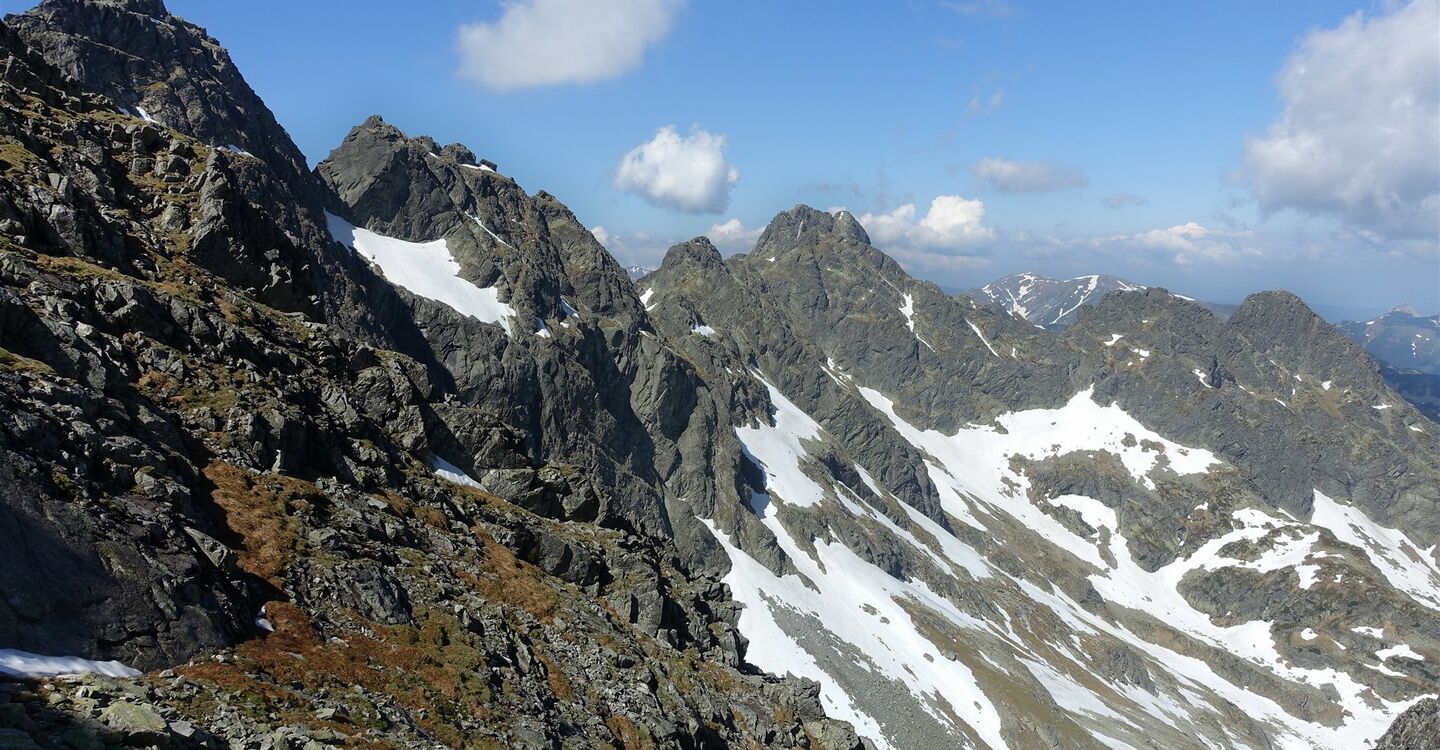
(1146,303)
(408,187)
(166,70)
(847,225)
(698,253)
(1281,318)
(790,229)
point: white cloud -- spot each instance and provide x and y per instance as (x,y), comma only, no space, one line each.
(992,8)
(688,173)
(951,222)
(1009,176)
(1121,200)
(1183,244)
(733,236)
(601,236)
(550,42)
(1360,134)
(988,105)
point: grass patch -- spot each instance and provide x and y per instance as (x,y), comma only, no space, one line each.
(12,362)
(507,579)
(262,510)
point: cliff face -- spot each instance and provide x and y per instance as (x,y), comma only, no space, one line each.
(394,453)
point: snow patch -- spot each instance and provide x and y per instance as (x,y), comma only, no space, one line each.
(446,470)
(426,269)
(26,665)
(1398,650)
(777,449)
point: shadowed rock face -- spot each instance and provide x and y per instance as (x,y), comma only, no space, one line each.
(594,519)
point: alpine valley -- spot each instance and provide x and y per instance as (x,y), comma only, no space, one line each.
(393,453)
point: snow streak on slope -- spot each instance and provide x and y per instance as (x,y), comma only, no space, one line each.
(426,269)
(856,603)
(908,310)
(1408,568)
(976,462)
(982,338)
(869,636)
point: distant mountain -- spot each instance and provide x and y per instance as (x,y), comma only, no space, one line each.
(1421,389)
(1401,338)
(1408,347)
(637,273)
(1054,303)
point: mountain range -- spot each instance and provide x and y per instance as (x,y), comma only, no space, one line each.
(1403,342)
(393,453)
(1055,303)
(1401,338)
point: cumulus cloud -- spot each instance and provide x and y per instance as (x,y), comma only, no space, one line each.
(688,173)
(1121,200)
(1358,136)
(733,236)
(1009,176)
(1185,244)
(601,235)
(952,222)
(550,42)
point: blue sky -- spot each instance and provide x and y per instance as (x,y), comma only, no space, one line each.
(874,106)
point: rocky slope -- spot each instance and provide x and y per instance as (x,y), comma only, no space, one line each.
(393,453)
(244,491)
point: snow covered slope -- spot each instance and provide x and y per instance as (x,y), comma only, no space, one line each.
(938,654)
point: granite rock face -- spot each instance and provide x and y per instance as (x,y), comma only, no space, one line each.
(320,502)
(147,61)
